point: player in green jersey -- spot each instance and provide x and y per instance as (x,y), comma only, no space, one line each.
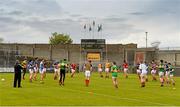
(62,65)
(114,70)
(171,73)
(161,72)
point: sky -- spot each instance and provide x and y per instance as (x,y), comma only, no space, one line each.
(123,21)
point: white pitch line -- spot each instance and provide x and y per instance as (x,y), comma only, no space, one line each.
(115,97)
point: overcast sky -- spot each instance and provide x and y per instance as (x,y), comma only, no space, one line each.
(123,21)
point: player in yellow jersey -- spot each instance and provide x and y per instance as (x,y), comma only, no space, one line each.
(24,66)
(100,70)
(107,68)
(88,69)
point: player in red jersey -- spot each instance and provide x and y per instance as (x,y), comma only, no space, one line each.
(73,69)
(125,69)
(153,70)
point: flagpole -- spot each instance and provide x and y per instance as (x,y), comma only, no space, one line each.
(84,32)
(93,28)
(93,32)
(89,31)
(101,34)
(98,30)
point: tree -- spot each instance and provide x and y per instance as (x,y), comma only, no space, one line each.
(60,39)
(1,40)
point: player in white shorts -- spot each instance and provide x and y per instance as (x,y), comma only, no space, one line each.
(171,73)
(56,70)
(107,68)
(100,70)
(138,71)
(167,72)
(143,67)
(41,70)
(88,69)
(36,68)
(161,68)
(153,70)
(31,70)
(73,69)
(125,69)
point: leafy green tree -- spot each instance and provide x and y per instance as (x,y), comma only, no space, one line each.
(1,40)
(57,38)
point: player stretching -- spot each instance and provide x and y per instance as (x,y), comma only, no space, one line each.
(125,68)
(73,69)
(36,68)
(107,68)
(31,70)
(114,70)
(56,70)
(143,67)
(100,70)
(24,65)
(153,70)
(88,69)
(161,72)
(171,73)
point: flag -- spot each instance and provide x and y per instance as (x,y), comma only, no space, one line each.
(90,28)
(99,27)
(93,23)
(85,26)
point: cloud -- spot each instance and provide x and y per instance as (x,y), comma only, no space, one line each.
(33,7)
(123,21)
(18,13)
(115,19)
(163,7)
(137,13)
(75,15)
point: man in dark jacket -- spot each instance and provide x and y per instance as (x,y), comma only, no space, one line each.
(17,74)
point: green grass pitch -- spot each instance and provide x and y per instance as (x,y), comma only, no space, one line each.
(100,92)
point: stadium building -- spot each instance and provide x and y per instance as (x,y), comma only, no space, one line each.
(90,49)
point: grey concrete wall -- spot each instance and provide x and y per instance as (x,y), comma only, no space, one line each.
(170,56)
(73,52)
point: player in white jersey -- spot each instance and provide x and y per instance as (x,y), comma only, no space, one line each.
(56,70)
(100,70)
(41,70)
(143,67)
(36,68)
